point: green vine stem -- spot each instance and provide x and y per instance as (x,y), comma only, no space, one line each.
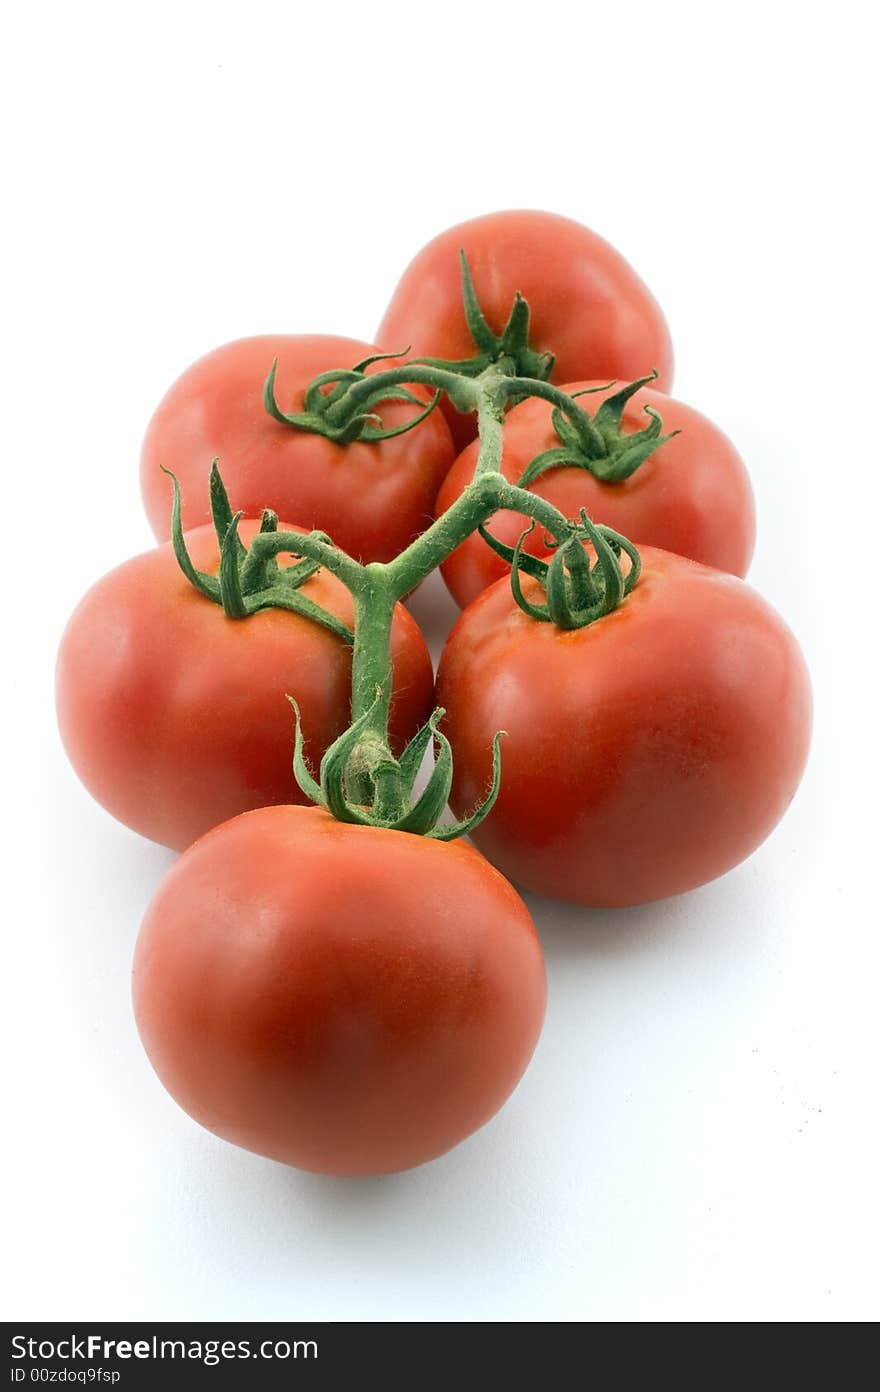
(360,780)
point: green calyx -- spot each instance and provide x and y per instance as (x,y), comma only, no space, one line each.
(394,803)
(577,593)
(332,410)
(250,580)
(510,349)
(598,444)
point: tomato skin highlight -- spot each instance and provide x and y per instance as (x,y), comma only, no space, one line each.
(347,1000)
(371,499)
(647,753)
(587,304)
(174,716)
(692,496)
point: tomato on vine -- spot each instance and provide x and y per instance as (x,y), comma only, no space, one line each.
(648,750)
(173,713)
(377,1007)
(372,493)
(349,987)
(657,470)
(591,315)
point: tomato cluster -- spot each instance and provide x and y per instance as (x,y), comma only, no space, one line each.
(345,986)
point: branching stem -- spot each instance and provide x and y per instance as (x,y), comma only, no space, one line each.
(361,780)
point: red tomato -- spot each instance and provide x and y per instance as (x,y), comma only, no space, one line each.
(345,999)
(692,496)
(372,499)
(645,754)
(174,716)
(588,306)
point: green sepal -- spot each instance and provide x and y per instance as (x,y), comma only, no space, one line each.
(584,592)
(516,331)
(591,391)
(526,562)
(535,611)
(617,542)
(411,759)
(316,399)
(257,573)
(231,596)
(301,771)
(353,429)
(333,769)
(431,804)
(560,608)
(380,357)
(569,436)
(269,402)
(208,585)
(271,573)
(388,432)
(557,458)
(221,512)
(610,413)
(469,824)
(514,344)
(485,341)
(571,593)
(636,449)
(287,597)
(299,572)
(608,562)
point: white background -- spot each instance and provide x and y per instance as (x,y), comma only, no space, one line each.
(697,1135)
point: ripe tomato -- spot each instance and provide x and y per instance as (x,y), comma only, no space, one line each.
(588,306)
(345,999)
(692,496)
(174,716)
(645,754)
(372,499)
